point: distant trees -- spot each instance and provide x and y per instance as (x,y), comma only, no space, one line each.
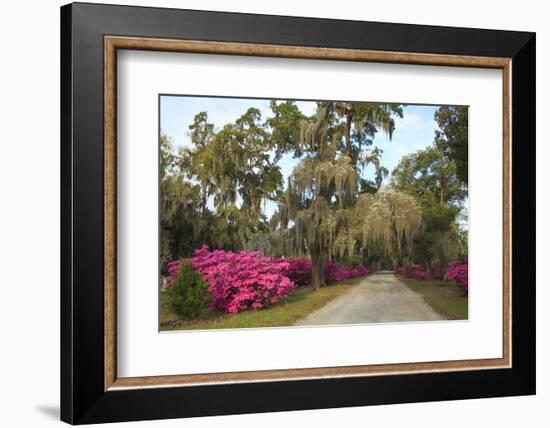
(438,177)
(452,137)
(184,223)
(236,174)
(429,175)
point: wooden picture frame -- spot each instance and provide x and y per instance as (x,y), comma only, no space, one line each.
(91,390)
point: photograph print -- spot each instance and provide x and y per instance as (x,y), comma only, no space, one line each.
(280,213)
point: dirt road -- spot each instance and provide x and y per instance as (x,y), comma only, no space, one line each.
(380,297)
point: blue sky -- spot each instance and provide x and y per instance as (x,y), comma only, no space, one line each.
(413,132)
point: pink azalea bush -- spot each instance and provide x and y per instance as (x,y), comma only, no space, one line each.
(240,281)
(414,271)
(299,271)
(336,272)
(458,272)
(244,280)
(400,270)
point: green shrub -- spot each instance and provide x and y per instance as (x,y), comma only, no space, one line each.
(189,295)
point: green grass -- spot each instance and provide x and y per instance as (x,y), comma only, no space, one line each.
(284,313)
(445,298)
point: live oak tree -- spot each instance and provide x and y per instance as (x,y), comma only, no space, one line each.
(322,204)
(235,172)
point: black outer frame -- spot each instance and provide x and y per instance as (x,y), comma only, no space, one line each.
(83,399)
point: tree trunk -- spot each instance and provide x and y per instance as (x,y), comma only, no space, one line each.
(443,190)
(317,271)
(322,273)
(347,134)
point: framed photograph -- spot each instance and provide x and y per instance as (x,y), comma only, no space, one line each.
(266,213)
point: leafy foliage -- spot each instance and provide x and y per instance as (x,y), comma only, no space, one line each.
(181,228)
(429,176)
(434,178)
(452,137)
(285,126)
(235,172)
(188,293)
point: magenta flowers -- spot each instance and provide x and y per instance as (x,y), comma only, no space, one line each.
(458,272)
(336,272)
(299,271)
(244,280)
(414,271)
(239,281)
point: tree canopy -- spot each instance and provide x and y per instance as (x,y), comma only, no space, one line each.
(214,190)
(452,137)
(437,176)
(323,205)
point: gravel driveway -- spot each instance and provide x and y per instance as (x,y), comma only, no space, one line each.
(380,297)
